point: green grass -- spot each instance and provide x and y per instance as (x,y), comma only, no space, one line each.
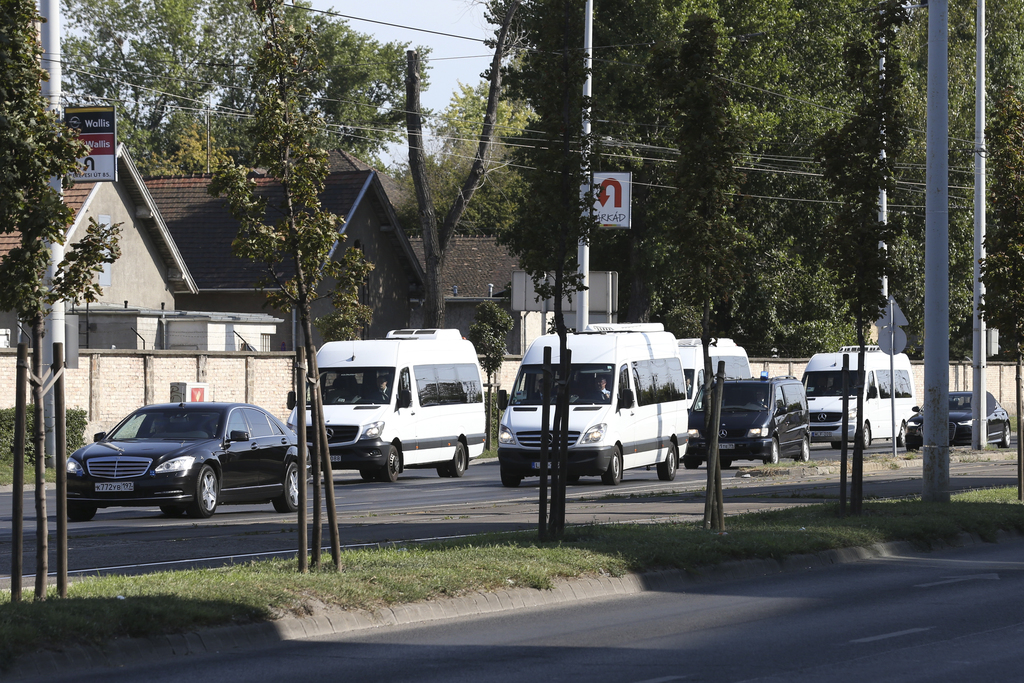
(102,608)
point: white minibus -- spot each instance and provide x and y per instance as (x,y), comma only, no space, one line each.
(691,354)
(411,400)
(823,383)
(627,405)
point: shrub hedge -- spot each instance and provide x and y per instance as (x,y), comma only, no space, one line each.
(76,423)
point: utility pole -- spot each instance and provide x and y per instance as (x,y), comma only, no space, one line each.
(583,255)
(979,438)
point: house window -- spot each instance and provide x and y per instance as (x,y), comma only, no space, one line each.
(265,342)
(105,275)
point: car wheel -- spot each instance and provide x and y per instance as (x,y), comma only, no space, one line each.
(901,438)
(691,462)
(389,472)
(457,467)
(510,480)
(172,510)
(80,512)
(773,456)
(1005,441)
(667,469)
(867,434)
(368,475)
(805,451)
(288,501)
(613,475)
(206,496)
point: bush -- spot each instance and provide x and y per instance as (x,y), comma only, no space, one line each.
(76,423)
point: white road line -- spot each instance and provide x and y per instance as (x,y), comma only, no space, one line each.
(959,579)
(664,679)
(892,635)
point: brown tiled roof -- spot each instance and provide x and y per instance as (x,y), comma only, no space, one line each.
(471,264)
(341,161)
(74,197)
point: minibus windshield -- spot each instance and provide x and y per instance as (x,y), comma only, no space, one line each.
(361,385)
(588,384)
(827,383)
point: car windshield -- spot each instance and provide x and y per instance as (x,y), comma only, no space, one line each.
(827,383)
(362,385)
(588,384)
(172,424)
(739,398)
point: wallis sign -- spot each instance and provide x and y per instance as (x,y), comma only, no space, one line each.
(96,127)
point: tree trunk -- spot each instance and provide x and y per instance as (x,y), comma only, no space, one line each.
(42,539)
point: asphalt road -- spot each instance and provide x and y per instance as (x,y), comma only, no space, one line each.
(945,616)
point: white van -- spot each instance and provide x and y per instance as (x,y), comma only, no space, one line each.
(823,383)
(691,355)
(627,405)
(435,418)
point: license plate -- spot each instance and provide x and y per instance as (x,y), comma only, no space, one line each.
(337,458)
(117,486)
(726,446)
(534,465)
(814,434)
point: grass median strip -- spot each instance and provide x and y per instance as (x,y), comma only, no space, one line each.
(101,608)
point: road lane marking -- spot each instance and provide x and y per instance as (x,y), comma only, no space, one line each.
(959,579)
(664,679)
(892,635)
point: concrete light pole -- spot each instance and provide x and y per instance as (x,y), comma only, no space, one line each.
(979,438)
(583,254)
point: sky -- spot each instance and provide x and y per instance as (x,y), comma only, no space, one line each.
(452,59)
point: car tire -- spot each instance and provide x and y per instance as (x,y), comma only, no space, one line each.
(613,475)
(510,481)
(389,472)
(901,438)
(288,501)
(172,510)
(805,451)
(1005,441)
(81,512)
(207,494)
(867,434)
(773,456)
(457,466)
(368,475)
(667,469)
(691,462)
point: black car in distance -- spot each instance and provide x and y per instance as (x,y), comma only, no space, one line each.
(186,458)
(762,419)
(961,422)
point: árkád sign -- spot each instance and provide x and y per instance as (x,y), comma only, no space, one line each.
(613,199)
(97,127)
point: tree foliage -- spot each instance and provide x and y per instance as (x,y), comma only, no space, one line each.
(489,334)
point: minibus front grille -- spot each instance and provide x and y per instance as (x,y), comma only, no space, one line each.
(532,439)
(342,433)
(825,417)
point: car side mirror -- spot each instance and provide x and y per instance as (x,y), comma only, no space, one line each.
(404,398)
(502,399)
(872,392)
(916,409)
(291,402)
(238,435)
(625,399)
(780,407)
(98,436)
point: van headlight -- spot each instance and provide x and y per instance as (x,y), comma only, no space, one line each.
(595,434)
(758,432)
(182,464)
(693,433)
(372,430)
(505,435)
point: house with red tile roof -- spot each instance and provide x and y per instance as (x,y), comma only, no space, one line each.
(203,228)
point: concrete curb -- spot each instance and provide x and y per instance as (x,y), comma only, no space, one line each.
(126,651)
(869,466)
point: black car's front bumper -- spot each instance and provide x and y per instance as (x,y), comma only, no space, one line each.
(732,449)
(159,489)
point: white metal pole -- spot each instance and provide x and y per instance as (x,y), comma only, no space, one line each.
(980,355)
(935,485)
(50,10)
(583,255)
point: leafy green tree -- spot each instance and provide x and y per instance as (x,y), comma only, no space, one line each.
(349,316)
(37,147)
(296,246)
(489,333)
(1003,267)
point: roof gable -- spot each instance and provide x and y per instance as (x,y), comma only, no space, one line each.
(473,263)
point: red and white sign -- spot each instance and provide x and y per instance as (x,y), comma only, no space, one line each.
(613,199)
(97,127)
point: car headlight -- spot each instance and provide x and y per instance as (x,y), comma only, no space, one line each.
(505,435)
(74,467)
(182,464)
(594,434)
(693,433)
(966,423)
(758,432)
(372,430)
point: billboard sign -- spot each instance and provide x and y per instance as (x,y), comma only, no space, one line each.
(97,127)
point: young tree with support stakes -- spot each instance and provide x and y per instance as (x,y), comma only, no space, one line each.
(36,147)
(437,237)
(858,160)
(1002,270)
(297,244)
(488,333)
(709,140)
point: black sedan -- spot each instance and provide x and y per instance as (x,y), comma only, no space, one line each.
(186,458)
(961,427)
